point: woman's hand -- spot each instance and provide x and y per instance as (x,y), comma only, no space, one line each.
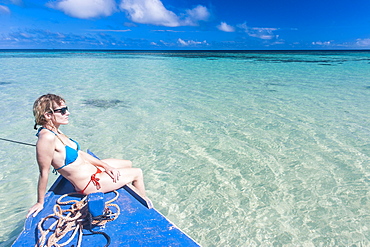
(112,172)
(35,209)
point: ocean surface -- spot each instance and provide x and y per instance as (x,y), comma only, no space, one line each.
(237,148)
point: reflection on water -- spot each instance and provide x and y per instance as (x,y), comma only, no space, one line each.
(237,148)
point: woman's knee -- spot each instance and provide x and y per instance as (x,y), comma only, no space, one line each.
(128,163)
(139,173)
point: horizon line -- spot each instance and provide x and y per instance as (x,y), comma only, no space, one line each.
(201,50)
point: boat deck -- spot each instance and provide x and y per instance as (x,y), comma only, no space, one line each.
(137,225)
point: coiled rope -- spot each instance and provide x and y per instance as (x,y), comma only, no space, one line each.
(74,220)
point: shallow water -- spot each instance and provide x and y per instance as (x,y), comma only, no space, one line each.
(237,148)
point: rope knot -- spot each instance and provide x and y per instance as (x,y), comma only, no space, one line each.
(74,220)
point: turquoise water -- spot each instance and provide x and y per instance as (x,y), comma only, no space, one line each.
(238,149)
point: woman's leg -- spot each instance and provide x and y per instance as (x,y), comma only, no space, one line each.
(128,175)
(117,163)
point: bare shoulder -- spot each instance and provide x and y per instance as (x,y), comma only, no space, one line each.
(46,136)
(45,146)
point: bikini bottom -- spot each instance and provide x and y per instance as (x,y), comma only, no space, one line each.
(94,180)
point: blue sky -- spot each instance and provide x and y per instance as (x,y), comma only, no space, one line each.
(185,24)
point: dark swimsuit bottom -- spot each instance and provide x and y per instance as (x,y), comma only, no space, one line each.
(71,156)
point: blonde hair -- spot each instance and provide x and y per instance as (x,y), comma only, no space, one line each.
(44,104)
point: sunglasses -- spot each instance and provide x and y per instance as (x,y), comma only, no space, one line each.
(61,110)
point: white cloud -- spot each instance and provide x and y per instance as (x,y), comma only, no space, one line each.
(85,9)
(325,43)
(279,42)
(44,38)
(111,30)
(190,42)
(357,44)
(225,27)
(138,11)
(243,26)
(264,33)
(193,16)
(4,10)
(169,31)
(155,13)
(165,43)
(363,43)
(149,12)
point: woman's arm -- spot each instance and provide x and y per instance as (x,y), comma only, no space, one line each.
(44,152)
(112,172)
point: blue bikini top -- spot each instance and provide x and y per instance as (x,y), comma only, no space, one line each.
(71,153)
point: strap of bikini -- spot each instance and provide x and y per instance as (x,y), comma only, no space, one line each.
(94,180)
(53,133)
(60,139)
(55,171)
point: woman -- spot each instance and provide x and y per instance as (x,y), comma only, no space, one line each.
(86,173)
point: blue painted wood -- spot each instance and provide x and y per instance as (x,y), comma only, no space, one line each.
(137,225)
